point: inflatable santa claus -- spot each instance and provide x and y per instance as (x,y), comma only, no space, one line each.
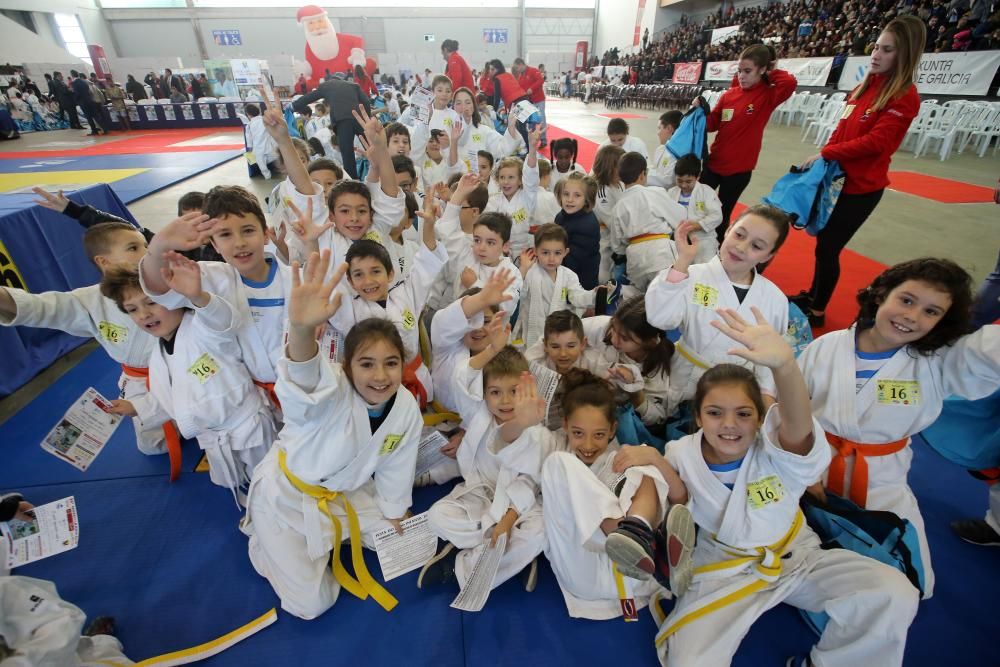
(325,49)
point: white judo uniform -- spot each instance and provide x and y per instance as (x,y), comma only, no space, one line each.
(326,441)
(690,305)
(633,144)
(661,169)
(541,296)
(754,550)
(496,476)
(441,119)
(405,300)
(432,173)
(704,207)
(44,630)
(520,207)
(482,137)
(483,274)
(658,403)
(259,311)
(604,209)
(207,390)
(641,229)
(458,247)
(546,208)
(904,397)
(578,498)
(85,312)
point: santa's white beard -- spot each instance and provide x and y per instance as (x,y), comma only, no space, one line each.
(325,45)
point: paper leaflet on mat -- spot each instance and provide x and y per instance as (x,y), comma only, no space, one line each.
(399,554)
(83,431)
(429,453)
(479,584)
(54,529)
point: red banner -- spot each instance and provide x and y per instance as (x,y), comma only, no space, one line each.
(581,56)
(687,72)
(638,22)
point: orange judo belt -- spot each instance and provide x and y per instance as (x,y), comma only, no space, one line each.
(269,388)
(642,238)
(412,384)
(859,477)
(170,433)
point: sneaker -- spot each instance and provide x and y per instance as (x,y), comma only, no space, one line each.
(680,538)
(102,625)
(441,568)
(803,299)
(529,575)
(631,548)
(976,531)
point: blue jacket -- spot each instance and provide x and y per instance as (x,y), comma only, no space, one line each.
(809,196)
(690,135)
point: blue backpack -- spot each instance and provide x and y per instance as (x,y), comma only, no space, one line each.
(840,524)
(968,432)
(690,135)
(809,196)
(799,333)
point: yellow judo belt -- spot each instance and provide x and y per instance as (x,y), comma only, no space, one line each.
(687,354)
(767,568)
(364,584)
(630,612)
(642,238)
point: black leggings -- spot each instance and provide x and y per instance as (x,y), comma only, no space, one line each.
(730,189)
(846,219)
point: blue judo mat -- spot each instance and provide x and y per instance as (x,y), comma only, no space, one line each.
(169,563)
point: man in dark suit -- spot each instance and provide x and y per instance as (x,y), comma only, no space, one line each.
(82,97)
(343,98)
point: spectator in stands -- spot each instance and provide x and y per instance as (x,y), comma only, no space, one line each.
(135,89)
(878,114)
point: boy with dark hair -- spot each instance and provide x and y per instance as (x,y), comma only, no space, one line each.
(326,172)
(642,224)
(618,135)
(702,205)
(196,371)
(662,171)
(548,285)
(490,245)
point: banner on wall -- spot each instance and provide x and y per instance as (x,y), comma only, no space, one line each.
(808,71)
(961,73)
(637,35)
(720,35)
(724,70)
(581,56)
(687,72)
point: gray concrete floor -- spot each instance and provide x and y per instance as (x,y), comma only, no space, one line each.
(903,227)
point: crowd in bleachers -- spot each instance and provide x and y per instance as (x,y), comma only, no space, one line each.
(802,29)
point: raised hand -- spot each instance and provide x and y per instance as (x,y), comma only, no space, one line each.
(630,456)
(456,131)
(303,226)
(527,260)
(309,303)
(498,332)
(621,374)
(57,203)
(687,245)
(277,237)
(183,276)
(466,184)
(274,117)
(762,344)
(374,132)
(529,407)
(191,230)
(535,137)
(495,289)
(468,278)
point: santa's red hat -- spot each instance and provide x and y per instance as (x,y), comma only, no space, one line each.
(309,12)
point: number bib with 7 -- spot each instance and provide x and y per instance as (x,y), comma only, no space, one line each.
(204,368)
(898,392)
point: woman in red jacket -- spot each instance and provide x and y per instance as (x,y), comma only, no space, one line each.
(740,117)
(456,68)
(878,114)
(508,91)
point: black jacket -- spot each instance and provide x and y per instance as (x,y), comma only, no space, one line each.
(584,256)
(342,97)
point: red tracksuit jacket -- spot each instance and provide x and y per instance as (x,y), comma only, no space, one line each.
(740,117)
(865,139)
(533,83)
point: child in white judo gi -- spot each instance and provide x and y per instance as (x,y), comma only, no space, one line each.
(343,464)
(597,515)
(686,295)
(644,220)
(196,372)
(376,293)
(491,235)
(548,285)
(518,190)
(661,169)
(701,203)
(435,165)
(500,459)
(618,135)
(546,204)
(624,340)
(86,312)
(454,229)
(885,379)
(609,191)
(745,470)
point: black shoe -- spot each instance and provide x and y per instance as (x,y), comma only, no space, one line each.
(102,625)
(631,548)
(529,575)
(803,300)
(441,568)
(976,531)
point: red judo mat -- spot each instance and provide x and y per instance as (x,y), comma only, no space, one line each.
(143,141)
(943,190)
(792,268)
